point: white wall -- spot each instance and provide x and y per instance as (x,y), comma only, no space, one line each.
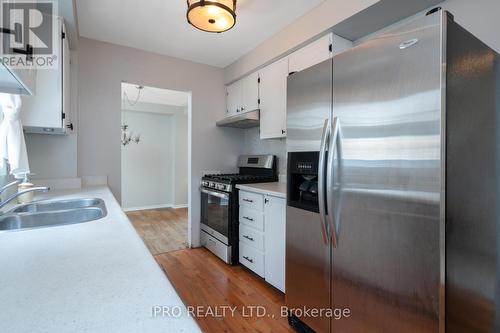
(305,28)
(148,167)
(103,66)
(181,158)
(155,171)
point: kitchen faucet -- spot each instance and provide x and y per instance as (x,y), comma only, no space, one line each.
(15,182)
(17,194)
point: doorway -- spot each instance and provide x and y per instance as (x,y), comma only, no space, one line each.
(154,165)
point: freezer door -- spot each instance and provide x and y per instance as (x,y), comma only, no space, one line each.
(309,103)
(386,265)
(308,269)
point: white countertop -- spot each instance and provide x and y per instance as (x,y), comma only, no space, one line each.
(276,189)
(90,277)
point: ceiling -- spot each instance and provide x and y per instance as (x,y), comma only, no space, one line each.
(160,26)
(155,95)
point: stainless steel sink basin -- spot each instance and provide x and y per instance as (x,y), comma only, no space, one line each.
(52,213)
(54,205)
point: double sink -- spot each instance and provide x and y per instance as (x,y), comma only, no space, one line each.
(48,213)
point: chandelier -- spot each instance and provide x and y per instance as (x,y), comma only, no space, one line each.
(212,16)
(127,136)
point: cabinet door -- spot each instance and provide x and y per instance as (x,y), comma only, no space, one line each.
(250,92)
(272,91)
(310,55)
(43,112)
(66,79)
(274,224)
(233,98)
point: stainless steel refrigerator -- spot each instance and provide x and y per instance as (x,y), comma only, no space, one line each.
(393,155)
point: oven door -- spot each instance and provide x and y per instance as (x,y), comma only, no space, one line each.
(215,214)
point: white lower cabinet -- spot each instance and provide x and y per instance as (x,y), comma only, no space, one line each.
(274,242)
(262,236)
(252,258)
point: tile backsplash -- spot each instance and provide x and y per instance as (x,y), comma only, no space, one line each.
(254,145)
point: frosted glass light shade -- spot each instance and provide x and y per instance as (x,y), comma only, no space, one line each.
(212,16)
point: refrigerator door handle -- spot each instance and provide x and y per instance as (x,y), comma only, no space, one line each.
(333,216)
(321,181)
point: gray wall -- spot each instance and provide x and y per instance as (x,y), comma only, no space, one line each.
(103,66)
(480,17)
(317,21)
(254,145)
(53,156)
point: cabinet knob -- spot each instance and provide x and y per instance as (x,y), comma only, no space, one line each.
(283,131)
(266,200)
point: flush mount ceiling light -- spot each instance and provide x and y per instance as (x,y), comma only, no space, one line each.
(212,16)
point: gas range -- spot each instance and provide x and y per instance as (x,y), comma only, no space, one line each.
(219,203)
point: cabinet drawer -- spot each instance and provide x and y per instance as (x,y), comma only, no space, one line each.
(215,246)
(252,218)
(252,200)
(252,237)
(252,258)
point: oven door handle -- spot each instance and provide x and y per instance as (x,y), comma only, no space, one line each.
(215,193)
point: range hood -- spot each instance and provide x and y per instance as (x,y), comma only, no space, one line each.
(244,120)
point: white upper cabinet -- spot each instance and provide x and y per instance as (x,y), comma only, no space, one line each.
(312,54)
(234,93)
(272,91)
(250,92)
(243,95)
(49,109)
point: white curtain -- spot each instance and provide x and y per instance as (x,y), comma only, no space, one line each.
(12,144)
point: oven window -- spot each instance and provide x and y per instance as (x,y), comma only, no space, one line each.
(215,213)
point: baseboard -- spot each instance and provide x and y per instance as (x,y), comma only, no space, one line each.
(132,209)
(179,206)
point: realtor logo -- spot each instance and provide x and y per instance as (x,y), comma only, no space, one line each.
(29,34)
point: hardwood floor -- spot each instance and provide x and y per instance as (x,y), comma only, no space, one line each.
(201,279)
(162,230)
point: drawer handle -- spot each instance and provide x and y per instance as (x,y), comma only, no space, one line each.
(248,237)
(248,259)
(247,218)
(248,200)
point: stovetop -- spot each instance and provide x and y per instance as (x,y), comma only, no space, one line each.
(253,169)
(226,182)
(234,178)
